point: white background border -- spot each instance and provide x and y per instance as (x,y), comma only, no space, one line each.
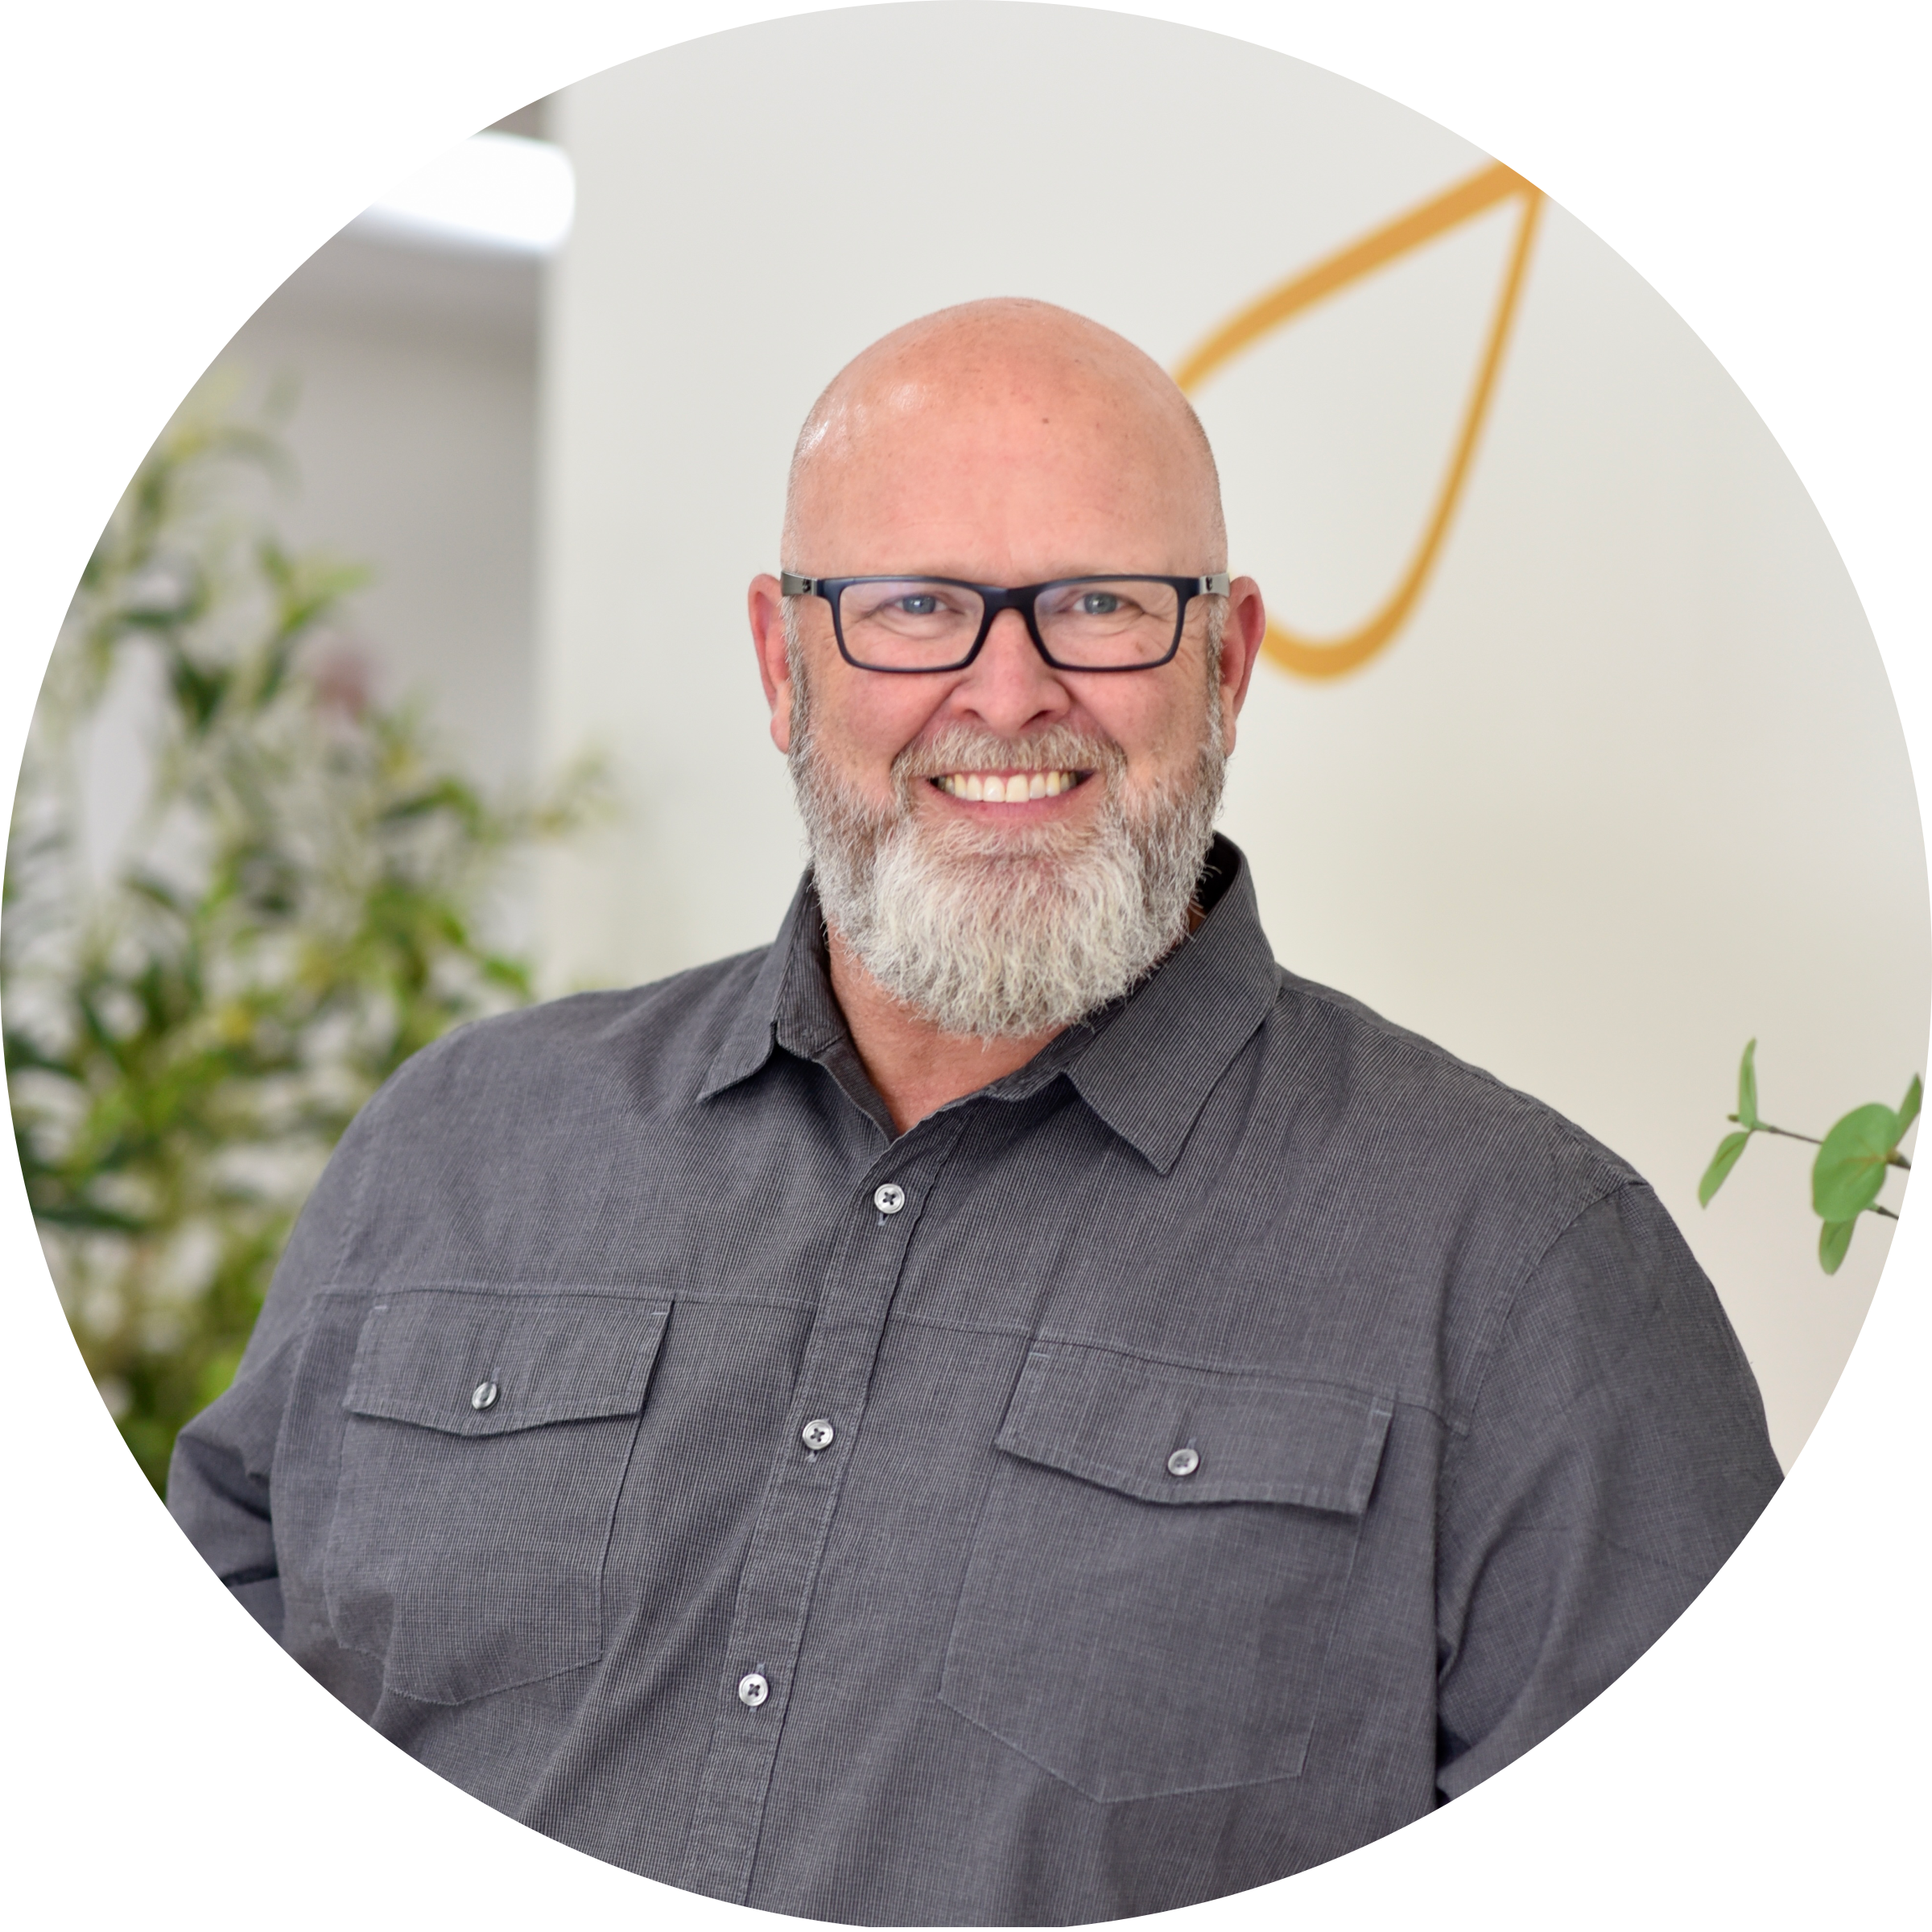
(167,164)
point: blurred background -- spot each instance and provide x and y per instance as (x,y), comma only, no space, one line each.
(411,680)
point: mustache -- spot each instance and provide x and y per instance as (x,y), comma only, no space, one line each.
(968,748)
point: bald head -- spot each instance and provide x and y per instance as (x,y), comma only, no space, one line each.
(1003,428)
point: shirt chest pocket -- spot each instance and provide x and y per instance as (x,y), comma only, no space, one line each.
(486,1442)
(1157,1568)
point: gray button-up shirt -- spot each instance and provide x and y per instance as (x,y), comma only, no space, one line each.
(1191,1456)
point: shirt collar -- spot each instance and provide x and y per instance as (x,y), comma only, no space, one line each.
(1145,1065)
(1148,1073)
(749,1039)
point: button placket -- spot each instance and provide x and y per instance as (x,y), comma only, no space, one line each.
(801,1498)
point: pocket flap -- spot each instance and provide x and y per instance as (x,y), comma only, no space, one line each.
(1117,1421)
(485,1364)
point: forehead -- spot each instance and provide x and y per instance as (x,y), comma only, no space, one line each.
(1004,459)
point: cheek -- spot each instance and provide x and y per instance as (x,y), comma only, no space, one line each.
(868,728)
(1157,731)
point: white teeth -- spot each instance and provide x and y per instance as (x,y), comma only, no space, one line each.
(991,788)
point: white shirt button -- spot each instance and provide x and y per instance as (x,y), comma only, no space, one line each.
(484,1396)
(1183,1462)
(817,1433)
(753,1689)
(888,1197)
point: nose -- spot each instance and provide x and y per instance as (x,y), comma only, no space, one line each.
(1009,687)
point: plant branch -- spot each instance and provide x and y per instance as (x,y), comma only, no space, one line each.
(1893,1159)
(1783,1134)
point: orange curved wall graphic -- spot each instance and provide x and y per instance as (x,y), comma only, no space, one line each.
(1332,656)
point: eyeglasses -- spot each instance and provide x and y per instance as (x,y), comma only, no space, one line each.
(928,624)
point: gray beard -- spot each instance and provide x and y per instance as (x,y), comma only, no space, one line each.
(993,932)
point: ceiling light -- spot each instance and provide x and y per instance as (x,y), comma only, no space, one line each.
(495,192)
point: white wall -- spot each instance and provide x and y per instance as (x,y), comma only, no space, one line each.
(415,444)
(1628,789)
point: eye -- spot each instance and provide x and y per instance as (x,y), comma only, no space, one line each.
(1098,604)
(921,603)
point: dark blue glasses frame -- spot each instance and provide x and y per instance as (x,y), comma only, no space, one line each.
(997,598)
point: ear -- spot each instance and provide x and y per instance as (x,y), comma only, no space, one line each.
(1240,644)
(765,604)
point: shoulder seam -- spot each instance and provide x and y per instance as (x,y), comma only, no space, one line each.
(1342,1004)
(1508,1302)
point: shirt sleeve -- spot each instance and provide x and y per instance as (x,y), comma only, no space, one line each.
(220,1479)
(1615,1455)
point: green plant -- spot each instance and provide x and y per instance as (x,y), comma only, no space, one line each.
(1848,1172)
(297,910)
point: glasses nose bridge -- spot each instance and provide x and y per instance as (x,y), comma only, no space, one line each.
(1020,598)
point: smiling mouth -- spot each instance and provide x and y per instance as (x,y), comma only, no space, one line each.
(1008,788)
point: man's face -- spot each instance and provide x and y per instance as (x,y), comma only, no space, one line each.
(1008,483)
(1006,847)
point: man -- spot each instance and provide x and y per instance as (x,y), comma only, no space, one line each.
(1006,1406)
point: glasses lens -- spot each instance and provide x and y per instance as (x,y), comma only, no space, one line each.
(1109,623)
(908,623)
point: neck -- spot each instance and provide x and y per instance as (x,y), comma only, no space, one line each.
(916,1068)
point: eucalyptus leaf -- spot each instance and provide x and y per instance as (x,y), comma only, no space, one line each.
(1726,1158)
(1908,1108)
(1747,1088)
(1834,1238)
(1849,1169)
